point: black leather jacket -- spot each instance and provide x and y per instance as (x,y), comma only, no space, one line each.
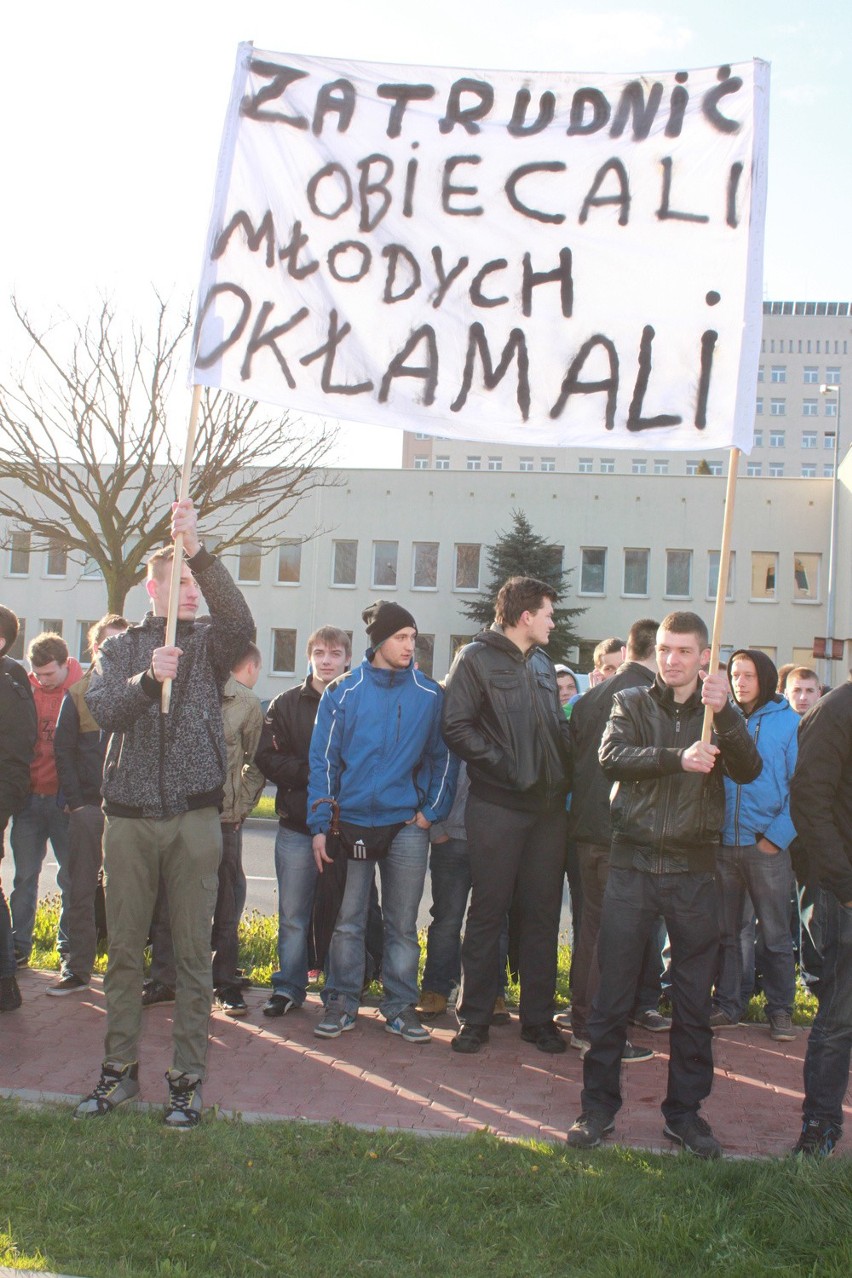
(502,716)
(658,807)
(282,756)
(590,820)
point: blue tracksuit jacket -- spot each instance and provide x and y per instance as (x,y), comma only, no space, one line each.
(763,806)
(377,748)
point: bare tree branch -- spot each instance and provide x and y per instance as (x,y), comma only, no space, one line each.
(87,461)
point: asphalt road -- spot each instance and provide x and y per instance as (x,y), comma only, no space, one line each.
(259,865)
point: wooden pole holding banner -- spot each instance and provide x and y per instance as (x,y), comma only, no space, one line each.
(722,583)
(177,561)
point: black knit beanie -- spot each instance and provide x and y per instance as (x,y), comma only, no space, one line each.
(383,618)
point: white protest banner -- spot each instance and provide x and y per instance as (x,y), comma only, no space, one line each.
(547,258)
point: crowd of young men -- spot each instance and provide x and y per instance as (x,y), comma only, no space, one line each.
(677,831)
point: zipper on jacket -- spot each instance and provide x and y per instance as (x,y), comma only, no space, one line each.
(542,729)
(666,805)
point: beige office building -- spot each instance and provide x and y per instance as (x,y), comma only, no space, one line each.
(640,534)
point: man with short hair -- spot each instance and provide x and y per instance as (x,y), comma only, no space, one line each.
(802,688)
(667,813)
(821,808)
(80,747)
(42,819)
(376,748)
(608,656)
(282,757)
(590,825)
(163,784)
(754,860)
(502,716)
(17,743)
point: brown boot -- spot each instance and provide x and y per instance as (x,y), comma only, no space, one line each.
(432,1004)
(500,1015)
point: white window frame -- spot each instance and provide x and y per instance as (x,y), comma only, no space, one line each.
(597,550)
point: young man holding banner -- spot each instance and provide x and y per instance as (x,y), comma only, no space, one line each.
(667,811)
(162,789)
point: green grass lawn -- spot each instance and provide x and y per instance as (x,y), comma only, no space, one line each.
(124,1198)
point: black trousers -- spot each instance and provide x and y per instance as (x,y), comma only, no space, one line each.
(520,853)
(632,902)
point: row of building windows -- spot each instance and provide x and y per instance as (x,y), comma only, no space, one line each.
(705,466)
(810,407)
(806,346)
(809,439)
(775,470)
(385,564)
(810,374)
(802,574)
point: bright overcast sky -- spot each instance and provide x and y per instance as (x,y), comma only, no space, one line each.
(112,117)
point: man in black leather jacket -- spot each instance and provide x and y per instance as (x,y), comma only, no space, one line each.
(502,716)
(667,813)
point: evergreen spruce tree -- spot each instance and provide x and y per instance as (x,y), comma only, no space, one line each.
(520,552)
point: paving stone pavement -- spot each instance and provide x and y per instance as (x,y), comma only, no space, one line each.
(265,1068)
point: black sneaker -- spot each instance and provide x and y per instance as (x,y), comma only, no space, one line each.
(818,1139)
(589,1130)
(67,985)
(10,995)
(632,1055)
(694,1134)
(546,1037)
(470,1039)
(279,1005)
(183,1110)
(229,999)
(118,1083)
(156,992)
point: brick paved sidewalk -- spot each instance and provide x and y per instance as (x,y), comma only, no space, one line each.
(267,1068)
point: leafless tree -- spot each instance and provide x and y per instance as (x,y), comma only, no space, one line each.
(90,458)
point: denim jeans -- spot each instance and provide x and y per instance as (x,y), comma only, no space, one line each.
(39,821)
(830,1041)
(449,868)
(632,902)
(767,878)
(594,867)
(296,872)
(403,873)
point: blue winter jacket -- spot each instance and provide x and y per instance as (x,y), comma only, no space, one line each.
(762,808)
(377,748)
